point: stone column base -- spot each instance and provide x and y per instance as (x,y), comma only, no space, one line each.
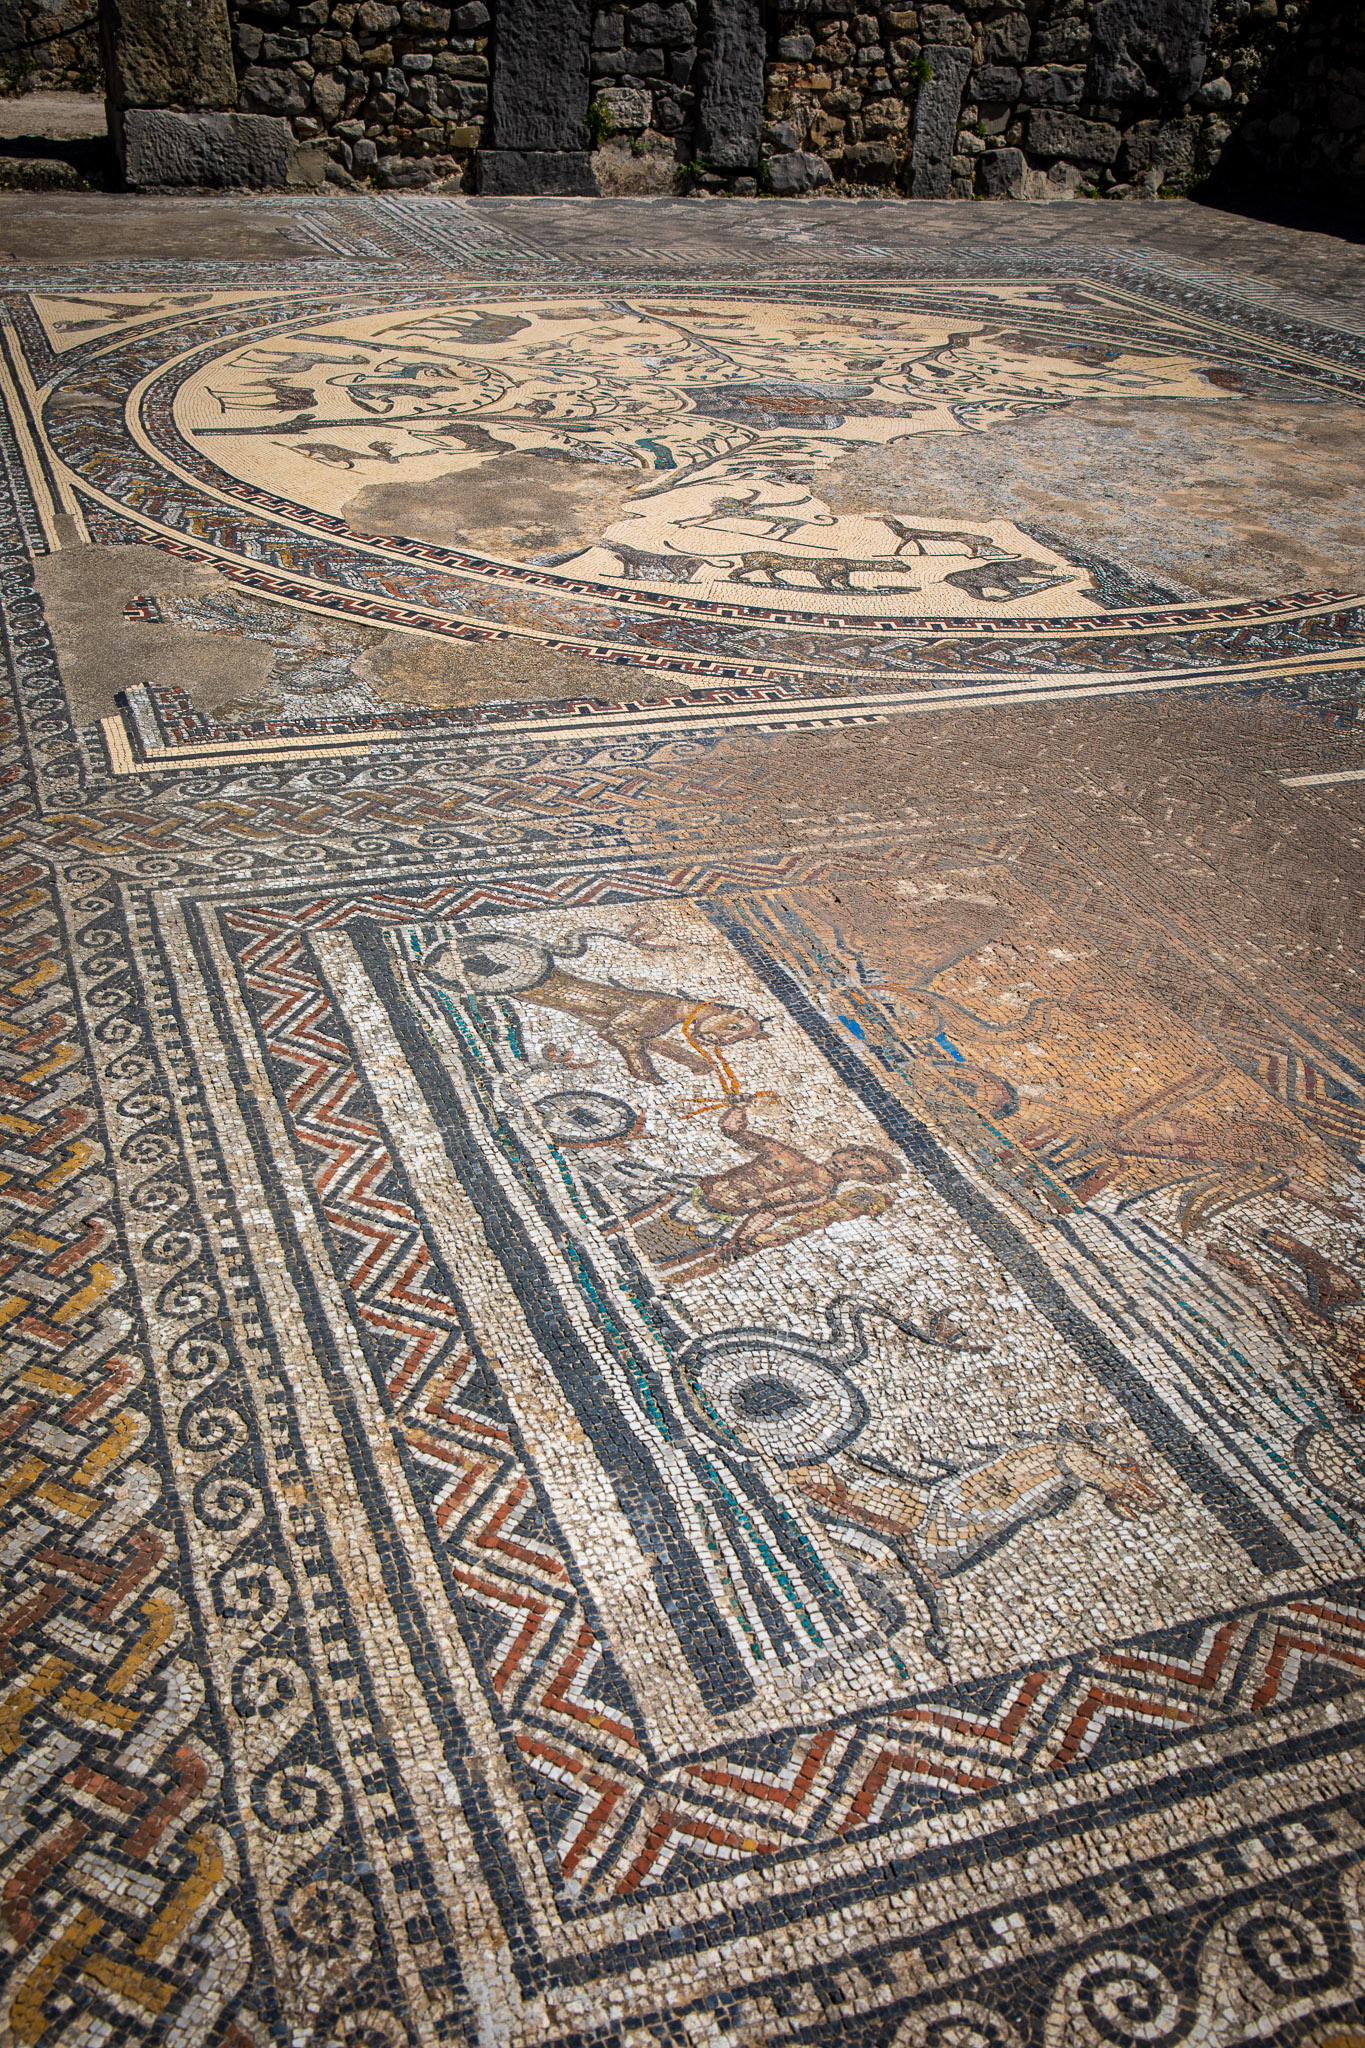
(510,173)
(161,146)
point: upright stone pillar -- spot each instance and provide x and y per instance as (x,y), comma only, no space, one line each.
(541,88)
(730,90)
(936,112)
(171,89)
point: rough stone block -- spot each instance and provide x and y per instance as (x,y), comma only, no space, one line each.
(798,171)
(329,97)
(944,25)
(1065,134)
(1006,41)
(541,83)
(936,112)
(995,82)
(628,107)
(513,173)
(1000,173)
(168,53)
(1148,48)
(1167,147)
(870,163)
(730,96)
(666,27)
(404,173)
(159,146)
(268,91)
(1053,85)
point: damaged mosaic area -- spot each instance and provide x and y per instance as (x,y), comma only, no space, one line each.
(681,1363)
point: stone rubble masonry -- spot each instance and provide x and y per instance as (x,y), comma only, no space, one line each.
(1031,99)
(47,47)
(167,53)
(986,99)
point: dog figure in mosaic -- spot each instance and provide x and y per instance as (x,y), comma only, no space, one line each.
(639,1024)
(640,565)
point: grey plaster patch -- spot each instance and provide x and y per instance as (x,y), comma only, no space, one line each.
(516,505)
(194,228)
(85,590)
(1212,499)
(239,656)
(407,669)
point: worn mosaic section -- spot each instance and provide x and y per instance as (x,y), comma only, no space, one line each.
(617,1430)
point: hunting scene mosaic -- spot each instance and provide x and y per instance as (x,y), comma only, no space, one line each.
(420,508)
(655,1391)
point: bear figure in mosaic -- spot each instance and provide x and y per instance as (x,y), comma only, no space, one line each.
(636,1023)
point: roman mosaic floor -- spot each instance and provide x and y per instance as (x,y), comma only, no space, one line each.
(683,1310)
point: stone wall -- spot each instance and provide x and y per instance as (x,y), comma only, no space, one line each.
(1028,99)
(1031,99)
(394,92)
(1303,131)
(49,46)
(979,98)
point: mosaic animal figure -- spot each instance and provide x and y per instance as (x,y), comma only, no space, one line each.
(781,522)
(764,569)
(933,541)
(639,1024)
(932,1526)
(1008,578)
(1316,1301)
(640,565)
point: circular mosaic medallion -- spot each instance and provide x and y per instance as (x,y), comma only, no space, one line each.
(776,499)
